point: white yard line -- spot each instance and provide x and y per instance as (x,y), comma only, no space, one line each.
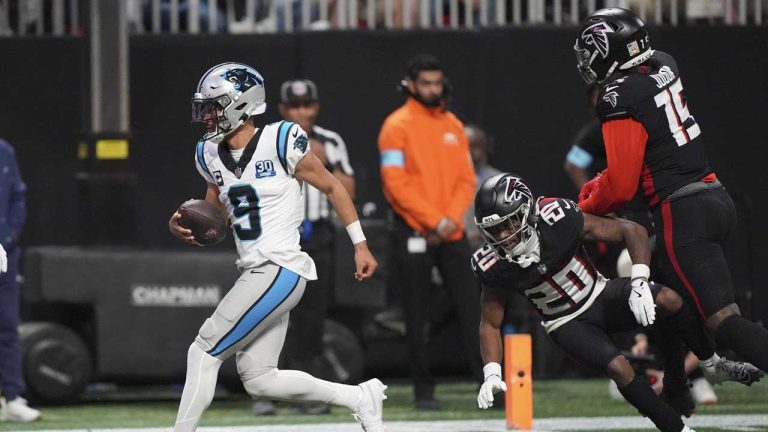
(726,422)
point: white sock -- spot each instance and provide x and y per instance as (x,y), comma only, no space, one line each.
(293,385)
(202,371)
(709,364)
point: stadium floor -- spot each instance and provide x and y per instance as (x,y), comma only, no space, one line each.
(731,422)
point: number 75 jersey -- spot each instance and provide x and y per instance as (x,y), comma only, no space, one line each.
(263,198)
(564,283)
(654,96)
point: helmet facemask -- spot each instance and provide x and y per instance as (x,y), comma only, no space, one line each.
(512,237)
(209,113)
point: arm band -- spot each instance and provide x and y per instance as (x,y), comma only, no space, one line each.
(355,232)
(640,271)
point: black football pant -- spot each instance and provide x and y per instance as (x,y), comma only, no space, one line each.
(586,340)
(690,232)
(413,276)
(304,340)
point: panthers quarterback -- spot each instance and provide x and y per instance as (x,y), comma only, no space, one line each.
(254,175)
(534,247)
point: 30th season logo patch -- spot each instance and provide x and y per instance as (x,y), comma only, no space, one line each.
(265,168)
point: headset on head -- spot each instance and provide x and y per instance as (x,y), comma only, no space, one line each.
(402,87)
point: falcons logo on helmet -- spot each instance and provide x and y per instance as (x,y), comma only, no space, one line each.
(597,36)
(516,190)
(611,97)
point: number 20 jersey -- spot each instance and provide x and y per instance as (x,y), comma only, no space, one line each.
(564,283)
(263,198)
(654,96)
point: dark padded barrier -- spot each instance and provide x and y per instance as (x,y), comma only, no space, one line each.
(148,305)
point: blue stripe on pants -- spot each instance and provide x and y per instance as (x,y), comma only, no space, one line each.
(282,287)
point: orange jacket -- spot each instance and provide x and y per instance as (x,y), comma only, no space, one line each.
(426,167)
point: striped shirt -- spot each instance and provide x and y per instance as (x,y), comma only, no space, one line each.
(316,205)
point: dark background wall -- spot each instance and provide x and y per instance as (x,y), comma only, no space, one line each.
(520,84)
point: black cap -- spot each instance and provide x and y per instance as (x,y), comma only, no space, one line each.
(299,90)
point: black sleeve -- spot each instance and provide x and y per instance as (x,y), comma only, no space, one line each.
(489,270)
(621,98)
(562,217)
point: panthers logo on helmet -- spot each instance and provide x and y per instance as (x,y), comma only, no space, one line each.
(597,36)
(242,79)
(516,190)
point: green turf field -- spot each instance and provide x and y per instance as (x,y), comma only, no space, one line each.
(156,406)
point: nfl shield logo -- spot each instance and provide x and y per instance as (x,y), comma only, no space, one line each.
(238,172)
(633,48)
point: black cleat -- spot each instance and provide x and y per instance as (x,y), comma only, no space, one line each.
(728,370)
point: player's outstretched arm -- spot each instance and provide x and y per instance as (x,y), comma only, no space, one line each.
(612,230)
(492,303)
(635,238)
(312,171)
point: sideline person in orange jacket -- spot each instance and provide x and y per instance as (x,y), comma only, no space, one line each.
(429,182)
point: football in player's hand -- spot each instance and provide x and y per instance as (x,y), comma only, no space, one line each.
(208,224)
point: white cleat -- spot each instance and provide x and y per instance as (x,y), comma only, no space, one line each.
(368,413)
(687,429)
(17,410)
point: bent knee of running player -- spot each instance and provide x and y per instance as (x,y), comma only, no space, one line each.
(620,371)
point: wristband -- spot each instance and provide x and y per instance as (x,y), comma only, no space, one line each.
(355,232)
(640,271)
(491,369)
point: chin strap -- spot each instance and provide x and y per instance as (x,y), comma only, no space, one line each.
(531,253)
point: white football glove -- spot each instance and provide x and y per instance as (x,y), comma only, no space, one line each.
(641,299)
(3,260)
(492,385)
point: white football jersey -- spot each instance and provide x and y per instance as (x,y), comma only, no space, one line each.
(263,198)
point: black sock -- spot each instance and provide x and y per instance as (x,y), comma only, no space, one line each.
(684,323)
(696,373)
(673,350)
(641,396)
(748,339)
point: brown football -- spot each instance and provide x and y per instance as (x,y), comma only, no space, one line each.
(206,221)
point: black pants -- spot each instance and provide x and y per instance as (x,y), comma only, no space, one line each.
(412,275)
(690,233)
(586,338)
(304,340)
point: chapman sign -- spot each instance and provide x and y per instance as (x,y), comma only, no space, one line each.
(157,295)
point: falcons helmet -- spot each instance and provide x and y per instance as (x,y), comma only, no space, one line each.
(609,40)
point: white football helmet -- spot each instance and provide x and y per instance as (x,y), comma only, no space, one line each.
(226,96)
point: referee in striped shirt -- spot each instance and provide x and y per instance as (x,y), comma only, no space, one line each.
(299,103)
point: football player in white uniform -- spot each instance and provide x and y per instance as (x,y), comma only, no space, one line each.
(255,176)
